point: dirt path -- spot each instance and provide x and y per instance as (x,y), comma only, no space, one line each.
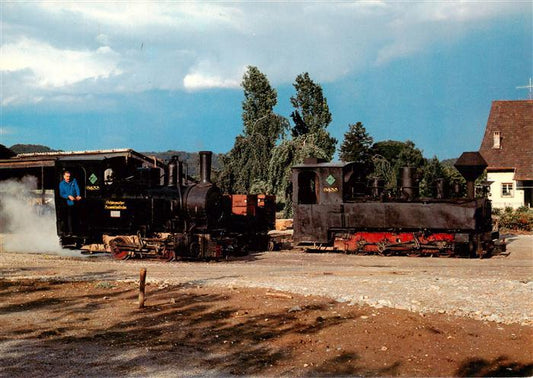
(95,329)
(268,314)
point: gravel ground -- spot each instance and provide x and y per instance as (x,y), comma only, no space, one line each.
(497,289)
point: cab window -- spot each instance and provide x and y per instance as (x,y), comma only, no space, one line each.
(308,186)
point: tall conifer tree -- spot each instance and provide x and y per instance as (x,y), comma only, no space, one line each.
(245,167)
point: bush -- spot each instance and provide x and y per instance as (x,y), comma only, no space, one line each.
(519,219)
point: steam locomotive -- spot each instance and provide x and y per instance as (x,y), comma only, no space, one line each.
(334,210)
(144,208)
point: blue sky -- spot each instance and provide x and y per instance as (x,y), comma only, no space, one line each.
(155,76)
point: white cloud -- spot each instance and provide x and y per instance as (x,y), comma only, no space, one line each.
(198,81)
(68,49)
(119,14)
(54,67)
(143,14)
(461,11)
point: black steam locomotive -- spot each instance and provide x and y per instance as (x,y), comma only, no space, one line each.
(144,208)
(333,210)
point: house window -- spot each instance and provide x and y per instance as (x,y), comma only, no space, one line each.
(507,189)
(497,138)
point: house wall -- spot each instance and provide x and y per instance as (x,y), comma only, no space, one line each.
(498,200)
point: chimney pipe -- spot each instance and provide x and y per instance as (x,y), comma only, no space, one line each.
(205,166)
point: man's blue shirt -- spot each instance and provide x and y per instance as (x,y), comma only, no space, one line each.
(69,189)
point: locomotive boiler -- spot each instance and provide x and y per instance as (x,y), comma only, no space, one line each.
(333,212)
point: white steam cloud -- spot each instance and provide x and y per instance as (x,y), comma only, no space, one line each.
(26,225)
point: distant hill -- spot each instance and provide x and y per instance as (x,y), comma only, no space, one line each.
(6,153)
(30,148)
(449,162)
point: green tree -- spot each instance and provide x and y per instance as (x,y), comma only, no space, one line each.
(383,170)
(356,147)
(356,144)
(452,178)
(389,149)
(245,167)
(409,156)
(431,172)
(397,154)
(311,114)
(287,154)
(258,104)
(310,138)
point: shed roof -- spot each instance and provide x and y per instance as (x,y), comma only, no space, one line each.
(46,159)
(514,121)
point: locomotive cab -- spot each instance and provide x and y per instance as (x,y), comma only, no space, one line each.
(320,189)
(103,177)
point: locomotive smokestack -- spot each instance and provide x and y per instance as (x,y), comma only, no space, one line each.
(172,172)
(205,166)
(409,183)
(471,165)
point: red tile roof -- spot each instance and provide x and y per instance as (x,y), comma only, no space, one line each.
(514,121)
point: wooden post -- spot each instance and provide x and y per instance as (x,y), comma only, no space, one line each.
(142,282)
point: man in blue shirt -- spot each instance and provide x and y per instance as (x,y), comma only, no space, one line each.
(70,192)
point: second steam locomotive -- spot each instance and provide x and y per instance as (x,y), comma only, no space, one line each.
(334,210)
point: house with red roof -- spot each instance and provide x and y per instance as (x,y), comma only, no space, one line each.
(507,147)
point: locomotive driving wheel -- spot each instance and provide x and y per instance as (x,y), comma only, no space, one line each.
(382,249)
(117,248)
(194,250)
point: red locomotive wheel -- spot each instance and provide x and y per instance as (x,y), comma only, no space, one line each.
(118,252)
